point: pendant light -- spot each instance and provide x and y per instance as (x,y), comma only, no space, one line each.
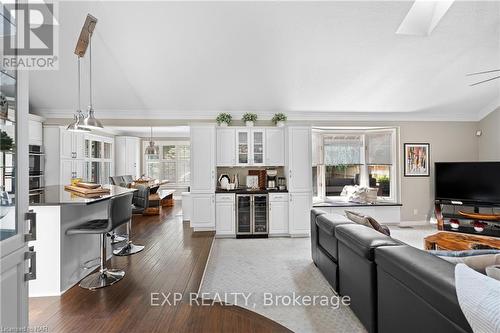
(152,150)
(90,121)
(76,125)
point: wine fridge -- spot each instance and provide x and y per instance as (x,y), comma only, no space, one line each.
(252,214)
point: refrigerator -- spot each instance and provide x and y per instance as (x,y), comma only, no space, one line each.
(252,216)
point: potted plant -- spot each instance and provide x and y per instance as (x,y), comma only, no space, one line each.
(223,119)
(6,142)
(279,119)
(249,119)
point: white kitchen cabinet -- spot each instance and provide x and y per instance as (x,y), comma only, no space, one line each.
(127,156)
(35,130)
(71,168)
(250,146)
(72,144)
(225,214)
(203,139)
(278,214)
(275,147)
(298,167)
(299,213)
(317,149)
(66,141)
(203,214)
(226,151)
(68,156)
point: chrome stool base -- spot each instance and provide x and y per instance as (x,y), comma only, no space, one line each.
(128,249)
(102,279)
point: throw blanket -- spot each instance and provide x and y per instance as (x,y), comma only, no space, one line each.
(479,299)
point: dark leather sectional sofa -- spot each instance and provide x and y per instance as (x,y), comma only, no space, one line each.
(393,287)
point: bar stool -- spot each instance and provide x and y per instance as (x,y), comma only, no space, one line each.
(119,212)
(140,203)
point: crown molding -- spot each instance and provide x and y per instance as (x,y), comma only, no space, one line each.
(209,115)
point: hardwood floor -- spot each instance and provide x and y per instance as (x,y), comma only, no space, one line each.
(173,261)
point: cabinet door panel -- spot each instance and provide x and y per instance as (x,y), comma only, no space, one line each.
(66,144)
(78,145)
(225,218)
(203,206)
(226,152)
(243,147)
(66,171)
(299,161)
(275,147)
(203,159)
(257,147)
(278,217)
(299,210)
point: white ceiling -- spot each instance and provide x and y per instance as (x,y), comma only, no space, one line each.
(312,60)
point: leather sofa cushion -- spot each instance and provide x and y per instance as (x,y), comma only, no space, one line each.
(328,222)
(363,240)
(428,276)
(315,213)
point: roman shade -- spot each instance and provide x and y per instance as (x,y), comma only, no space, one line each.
(378,147)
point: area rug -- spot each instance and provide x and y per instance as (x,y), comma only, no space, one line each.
(413,235)
(270,272)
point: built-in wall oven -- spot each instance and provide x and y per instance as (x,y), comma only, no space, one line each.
(36,173)
(252,214)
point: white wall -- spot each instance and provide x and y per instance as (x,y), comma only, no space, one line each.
(489,142)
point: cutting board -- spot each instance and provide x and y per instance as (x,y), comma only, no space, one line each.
(87,191)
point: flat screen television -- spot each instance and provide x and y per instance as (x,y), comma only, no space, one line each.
(468,182)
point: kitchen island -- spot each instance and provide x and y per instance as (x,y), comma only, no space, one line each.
(61,258)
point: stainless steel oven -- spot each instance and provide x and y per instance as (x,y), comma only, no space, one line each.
(36,160)
(252,214)
(36,173)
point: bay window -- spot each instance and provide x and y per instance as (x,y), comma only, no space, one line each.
(172,163)
(364,157)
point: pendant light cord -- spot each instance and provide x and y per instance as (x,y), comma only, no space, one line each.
(79,101)
(90,66)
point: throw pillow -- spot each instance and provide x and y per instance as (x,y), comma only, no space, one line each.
(478,260)
(479,299)
(367,221)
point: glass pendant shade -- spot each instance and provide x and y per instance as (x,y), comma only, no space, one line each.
(152,149)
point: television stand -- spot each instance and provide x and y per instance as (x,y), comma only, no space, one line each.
(469,219)
(479,216)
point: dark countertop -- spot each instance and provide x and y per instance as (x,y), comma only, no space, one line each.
(331,203)
(56,195)
(245,191)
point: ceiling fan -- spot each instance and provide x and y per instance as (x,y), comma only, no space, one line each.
(485,72)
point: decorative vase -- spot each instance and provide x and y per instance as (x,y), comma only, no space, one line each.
(249,123)
(479,226)
(454,223)
(223,124)
(280,123)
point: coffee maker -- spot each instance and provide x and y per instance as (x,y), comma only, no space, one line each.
(271,183)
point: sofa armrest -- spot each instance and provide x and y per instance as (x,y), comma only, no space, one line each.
(362,239)
(429,277)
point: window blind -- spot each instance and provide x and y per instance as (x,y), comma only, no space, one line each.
(343,150)
(379,150)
